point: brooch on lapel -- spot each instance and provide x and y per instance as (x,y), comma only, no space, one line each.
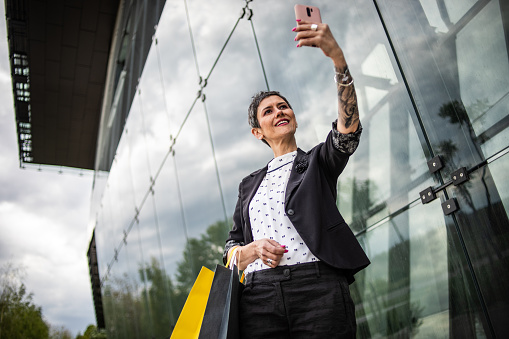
(301,166)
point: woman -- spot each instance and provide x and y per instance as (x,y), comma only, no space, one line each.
(297,252)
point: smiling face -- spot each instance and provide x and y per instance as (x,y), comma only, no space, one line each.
(277,121)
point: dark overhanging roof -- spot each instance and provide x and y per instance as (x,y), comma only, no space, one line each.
(59,55)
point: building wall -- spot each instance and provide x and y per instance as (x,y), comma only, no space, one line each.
(431,80)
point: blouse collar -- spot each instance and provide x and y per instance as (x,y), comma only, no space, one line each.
(281,161)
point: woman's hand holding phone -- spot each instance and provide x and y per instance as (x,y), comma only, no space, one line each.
(317,34)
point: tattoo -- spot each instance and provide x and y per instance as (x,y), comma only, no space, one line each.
(347,100)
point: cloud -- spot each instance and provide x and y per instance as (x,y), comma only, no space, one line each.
(46,233)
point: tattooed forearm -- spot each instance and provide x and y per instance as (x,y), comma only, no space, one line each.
(347,100)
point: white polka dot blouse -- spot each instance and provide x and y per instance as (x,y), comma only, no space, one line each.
(268,217)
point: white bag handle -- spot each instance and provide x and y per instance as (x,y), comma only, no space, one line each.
(233,259)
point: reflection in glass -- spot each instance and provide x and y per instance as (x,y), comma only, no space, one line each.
(458,80)
(405,291)
(391,157)
(442,15)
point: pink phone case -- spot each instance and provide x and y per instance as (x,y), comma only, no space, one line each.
(308,13)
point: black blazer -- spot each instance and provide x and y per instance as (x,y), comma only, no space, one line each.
(310,203)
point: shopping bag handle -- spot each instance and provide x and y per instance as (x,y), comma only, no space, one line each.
(232,254)
(232,262)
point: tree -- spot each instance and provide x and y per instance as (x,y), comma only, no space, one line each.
(206,251)
(158,296)
(59,332)
(92,332)
(19,316)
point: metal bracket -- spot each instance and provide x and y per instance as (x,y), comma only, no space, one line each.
(459,176)
(428,195)
(450,206)
(435,164)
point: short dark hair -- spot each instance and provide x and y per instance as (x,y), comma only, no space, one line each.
(255,102)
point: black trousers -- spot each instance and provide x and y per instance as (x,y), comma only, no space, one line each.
(309,300)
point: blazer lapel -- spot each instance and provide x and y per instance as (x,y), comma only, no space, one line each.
(299,168)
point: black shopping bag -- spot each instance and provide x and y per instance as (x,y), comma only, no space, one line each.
(221,318)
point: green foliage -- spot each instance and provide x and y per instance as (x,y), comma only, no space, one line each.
(158,298)
(206,251)
(123,308)
(59,333)
(19,316)
(92,332)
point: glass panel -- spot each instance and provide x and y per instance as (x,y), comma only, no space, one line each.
(139,153)
(485,92)
(173,232)
(238,153)
(154,116)
(156,285)
(196,174)
(117,206)
(211,24)
(408,289)
(444,14)
(98,187)
(483,221)
(498,171)
(459,81)
(169,82)
(104,249)
(461,91)
(126,308)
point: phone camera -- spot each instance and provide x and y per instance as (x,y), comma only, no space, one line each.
(309,10)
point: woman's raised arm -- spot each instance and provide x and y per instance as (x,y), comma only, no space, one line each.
(320,35)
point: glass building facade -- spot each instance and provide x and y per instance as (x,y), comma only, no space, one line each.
(432,80)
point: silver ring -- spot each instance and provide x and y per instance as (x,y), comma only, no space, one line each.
(314,27)
(269,261)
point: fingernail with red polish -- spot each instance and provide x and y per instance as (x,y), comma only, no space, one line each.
(295,39)
(293,29)
(298,45)
(297,20)
(286,251)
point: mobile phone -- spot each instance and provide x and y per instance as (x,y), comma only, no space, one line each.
(308,13)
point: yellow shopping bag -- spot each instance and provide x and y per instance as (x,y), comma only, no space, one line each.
(190,319)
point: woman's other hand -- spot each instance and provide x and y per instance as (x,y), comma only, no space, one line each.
(269,251)
(320,36)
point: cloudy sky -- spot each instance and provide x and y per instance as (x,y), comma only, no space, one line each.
(43,222)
